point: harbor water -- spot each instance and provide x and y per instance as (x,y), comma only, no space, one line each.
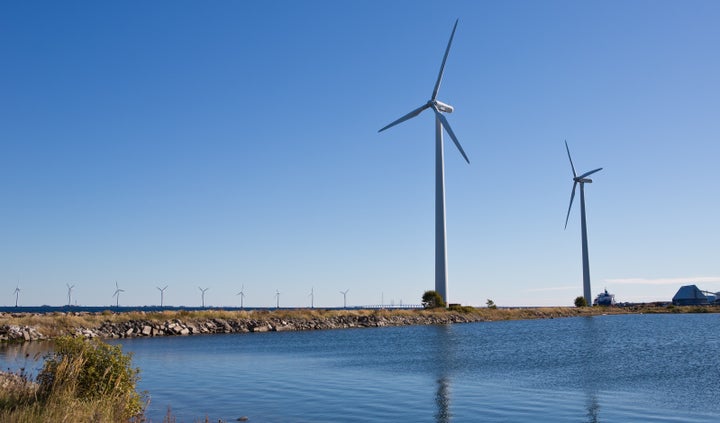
(663,368)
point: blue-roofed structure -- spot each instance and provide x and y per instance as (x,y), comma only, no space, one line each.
(690,295)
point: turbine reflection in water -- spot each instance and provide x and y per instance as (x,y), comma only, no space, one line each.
(444,355)
(593,409)
(592,342)
(442,399)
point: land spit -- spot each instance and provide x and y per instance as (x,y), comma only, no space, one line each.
(24,327)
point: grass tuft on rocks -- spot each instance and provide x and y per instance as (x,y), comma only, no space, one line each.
(82,381)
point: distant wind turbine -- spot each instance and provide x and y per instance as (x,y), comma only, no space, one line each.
(344,293)
(17,294)
(277,297)
(438,107)
(203,295)
(242,295)
(162,294)
(70,288)
(117,294)
(312,297)
(582,180)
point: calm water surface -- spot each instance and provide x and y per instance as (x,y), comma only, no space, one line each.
(634,368)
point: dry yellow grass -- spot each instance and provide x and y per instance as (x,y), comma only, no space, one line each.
(58,324)
(71,389)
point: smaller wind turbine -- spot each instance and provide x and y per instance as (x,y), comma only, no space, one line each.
(277,297)
(582,180)
(312,297)
(70,288)
(117,294)
(344,293)
(203,295)
(17,294)
(162,294)
(242,295)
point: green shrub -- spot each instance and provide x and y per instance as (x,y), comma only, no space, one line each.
(91,370)
(491,304)
(461,308)
(431,299)
(580,302)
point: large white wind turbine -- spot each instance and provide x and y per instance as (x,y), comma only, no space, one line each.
(441,122)
(582,180)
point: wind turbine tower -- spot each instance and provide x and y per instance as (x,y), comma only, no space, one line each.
(162,295)
(277,297)
(312,297)
(242,295)
(17,294)
(581,180)
(70,288)
(344,293)
(117,294)
(438,107)
(203,295)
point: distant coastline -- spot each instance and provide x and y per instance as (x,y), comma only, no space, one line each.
(23,326)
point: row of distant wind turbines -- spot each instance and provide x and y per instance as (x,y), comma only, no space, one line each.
(118,290)
(438,108)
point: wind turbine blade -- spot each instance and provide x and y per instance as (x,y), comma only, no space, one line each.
(586,174)
(572,197)
(449,130)
(406,117)
(442,66)
(571,163)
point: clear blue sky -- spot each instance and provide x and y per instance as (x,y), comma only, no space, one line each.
(222,144)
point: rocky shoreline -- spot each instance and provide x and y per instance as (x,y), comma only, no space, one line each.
(15,333)
(27,327)
(195,326)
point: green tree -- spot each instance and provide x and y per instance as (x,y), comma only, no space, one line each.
(431,299)
(491,304)
(580,302)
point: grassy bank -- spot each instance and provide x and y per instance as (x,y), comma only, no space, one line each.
(53,325)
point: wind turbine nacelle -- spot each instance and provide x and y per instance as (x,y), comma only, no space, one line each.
(586,181)
(445,108)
